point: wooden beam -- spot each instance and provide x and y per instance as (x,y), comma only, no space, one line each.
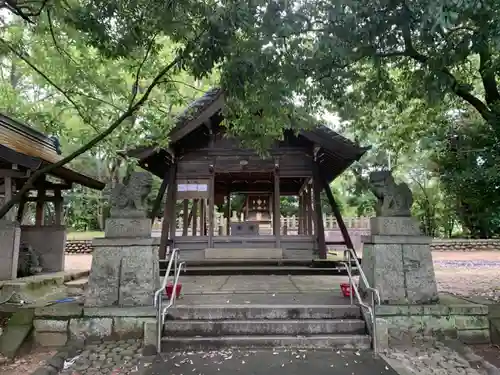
(203,217)
(164,240)
(58,207)
(39,207)
(309,214)
(14,173)
(338,216)
(194,215)
(185,217)
(276,209)
(211,188)
(318,213)
(228,213)
(159,197)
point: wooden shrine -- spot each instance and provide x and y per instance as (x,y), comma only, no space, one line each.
(203,166)
(23,150)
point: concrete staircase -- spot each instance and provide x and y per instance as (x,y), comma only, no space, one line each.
(298,326)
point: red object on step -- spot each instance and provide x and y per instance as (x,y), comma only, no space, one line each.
(170,289)
(346,291)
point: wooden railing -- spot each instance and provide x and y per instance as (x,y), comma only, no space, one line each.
(289,224)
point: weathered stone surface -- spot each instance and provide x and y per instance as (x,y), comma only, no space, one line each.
(127,227)
(394,226)
(139,278)
(474,336)
(104,277)
(51,339)
(10,236)
(127,200)
(130,312)
(402,272)
(12,339)
(393,199)
(50,325)
(128,327)
(61,310)
(85,328)
(149,337)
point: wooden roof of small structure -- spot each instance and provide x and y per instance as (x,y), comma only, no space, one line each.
(28,148)
(335,154)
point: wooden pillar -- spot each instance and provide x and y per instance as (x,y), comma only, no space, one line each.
(195,217)
(58,207)
(318,214)
(309,214)
(203,218)
(300,229)
(8,195)
(276,209)
(159,197)
(185,217)
(171,186)
(211,189)
(338,216)
(228,213)
(40,201)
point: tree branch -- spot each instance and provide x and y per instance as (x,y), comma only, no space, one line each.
(492,96)
(132,109)
(455,86)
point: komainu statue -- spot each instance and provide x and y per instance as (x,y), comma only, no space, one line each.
(128,200)
(393,199)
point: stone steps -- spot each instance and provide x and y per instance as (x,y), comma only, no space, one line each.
(265,312)
(253,325)
(263,327)
(345,342)
(259,270)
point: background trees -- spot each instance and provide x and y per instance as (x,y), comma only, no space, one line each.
(418,80)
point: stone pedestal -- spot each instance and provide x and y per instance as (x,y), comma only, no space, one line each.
(125,269)
(10,235)
(397,260)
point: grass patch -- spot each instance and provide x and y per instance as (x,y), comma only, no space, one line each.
(84,235)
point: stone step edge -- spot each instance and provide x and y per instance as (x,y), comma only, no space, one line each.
(274,321)
(264,306)
(347,341)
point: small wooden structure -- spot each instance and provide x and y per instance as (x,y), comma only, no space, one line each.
(22,151)
(203,166)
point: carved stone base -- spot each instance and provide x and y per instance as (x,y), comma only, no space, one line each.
(395,226)
(400,264)
(127,227)
(125,272)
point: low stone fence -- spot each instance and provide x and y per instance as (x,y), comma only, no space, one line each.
(462,244)
(79,246)
(459,244)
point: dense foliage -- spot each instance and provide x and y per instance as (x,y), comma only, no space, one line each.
(418,80)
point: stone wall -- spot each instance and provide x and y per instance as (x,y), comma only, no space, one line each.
(56,325)
(466,322)
(79,246)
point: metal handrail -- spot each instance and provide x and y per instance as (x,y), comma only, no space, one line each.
(158,300)
(375,295)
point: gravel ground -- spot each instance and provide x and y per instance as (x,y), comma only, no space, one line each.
(119,357)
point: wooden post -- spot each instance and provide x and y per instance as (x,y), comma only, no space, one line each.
(171,185)
(276,209)
(338,216)
(318,215)
(58,207)
(185,214)
(228,212)
(194,210)
(159,197)
(211,189)
(301,214)
(309,218)
(203,218)
(40,201)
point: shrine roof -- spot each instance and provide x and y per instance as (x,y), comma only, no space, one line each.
(335,151)
(26,147)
